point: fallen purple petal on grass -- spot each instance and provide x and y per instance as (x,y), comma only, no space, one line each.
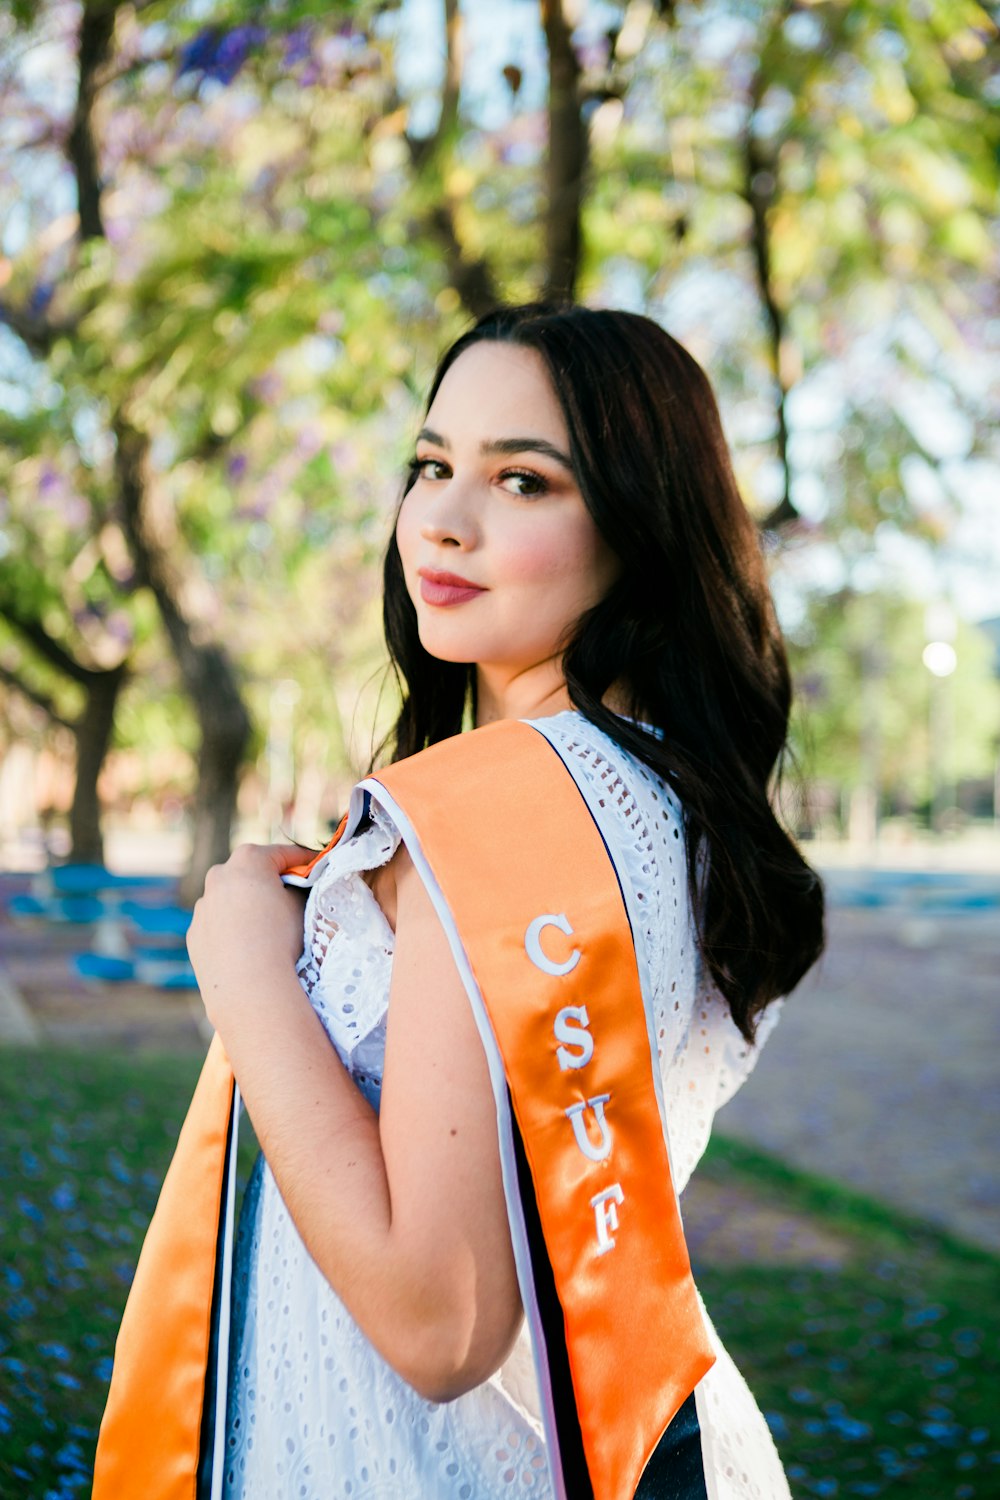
(54,1351)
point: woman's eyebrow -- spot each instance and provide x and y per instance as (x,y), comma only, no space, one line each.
(506,445)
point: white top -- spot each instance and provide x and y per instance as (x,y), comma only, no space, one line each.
(313,1411)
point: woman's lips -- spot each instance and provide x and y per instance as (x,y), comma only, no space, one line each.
(439,589)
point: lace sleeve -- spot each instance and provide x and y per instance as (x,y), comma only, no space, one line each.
(713,1063)
(346,962)
(738,1057)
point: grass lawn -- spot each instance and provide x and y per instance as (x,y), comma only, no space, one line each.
(878,1378)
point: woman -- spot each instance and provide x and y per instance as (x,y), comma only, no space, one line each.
(570,550)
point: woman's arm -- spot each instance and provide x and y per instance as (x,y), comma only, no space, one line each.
(403,1212)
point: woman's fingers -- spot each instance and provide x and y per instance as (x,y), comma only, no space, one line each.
(279,857)
(284,856)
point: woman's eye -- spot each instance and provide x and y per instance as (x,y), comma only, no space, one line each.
(424,468)
(527,482)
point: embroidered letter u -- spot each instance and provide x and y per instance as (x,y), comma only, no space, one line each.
(575,1115)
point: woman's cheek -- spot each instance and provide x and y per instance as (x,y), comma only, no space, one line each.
(550,557)
(403,532)
(568,569)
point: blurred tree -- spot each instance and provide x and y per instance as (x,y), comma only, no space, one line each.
(870,709)
(91,727)
(242,230)
(65,626)
(204,666)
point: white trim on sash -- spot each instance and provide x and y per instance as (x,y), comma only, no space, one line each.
(636,916)
(508,1162)
(372,788)
(227,1231)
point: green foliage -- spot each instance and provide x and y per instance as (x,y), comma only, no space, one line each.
(875,1377)
(857,661)
(275,285)
(876,1374)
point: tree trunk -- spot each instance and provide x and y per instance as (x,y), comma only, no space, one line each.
(567,157)
(204,666)
(760,191)
(206,671)
(225,730)
(93,732)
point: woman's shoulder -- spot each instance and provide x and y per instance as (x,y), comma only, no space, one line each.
(623,780)
(638,813)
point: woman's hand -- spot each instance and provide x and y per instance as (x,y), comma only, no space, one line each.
(246,928)
(402,1211)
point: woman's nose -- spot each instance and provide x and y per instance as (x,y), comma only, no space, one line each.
(449,519)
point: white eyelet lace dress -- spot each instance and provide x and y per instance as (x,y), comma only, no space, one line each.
(314,1413)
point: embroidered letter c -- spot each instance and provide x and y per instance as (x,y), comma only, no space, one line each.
(533,947)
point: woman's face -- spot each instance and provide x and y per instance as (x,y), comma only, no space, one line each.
(495,506)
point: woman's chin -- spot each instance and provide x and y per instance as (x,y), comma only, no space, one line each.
(445,650)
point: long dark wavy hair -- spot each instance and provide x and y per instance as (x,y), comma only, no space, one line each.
(688,632)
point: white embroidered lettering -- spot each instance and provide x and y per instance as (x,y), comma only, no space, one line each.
(533,947)
(575,1036)
(575,1116)
(606,1216)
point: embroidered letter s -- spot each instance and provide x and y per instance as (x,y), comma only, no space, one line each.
(573,1036)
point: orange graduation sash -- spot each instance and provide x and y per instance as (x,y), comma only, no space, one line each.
(540,933)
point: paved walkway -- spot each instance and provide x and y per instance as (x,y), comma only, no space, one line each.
(882,1073)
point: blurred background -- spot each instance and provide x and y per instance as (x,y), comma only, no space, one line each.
(234,238)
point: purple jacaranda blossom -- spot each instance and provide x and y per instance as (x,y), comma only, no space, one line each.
(234,49)
(119,627)
(308,442)
(298,46)
(197,55)
(39,298)
(220,54)
(254,510)
(267,387)
(72,1457)
(63,1197)
(54,1351)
